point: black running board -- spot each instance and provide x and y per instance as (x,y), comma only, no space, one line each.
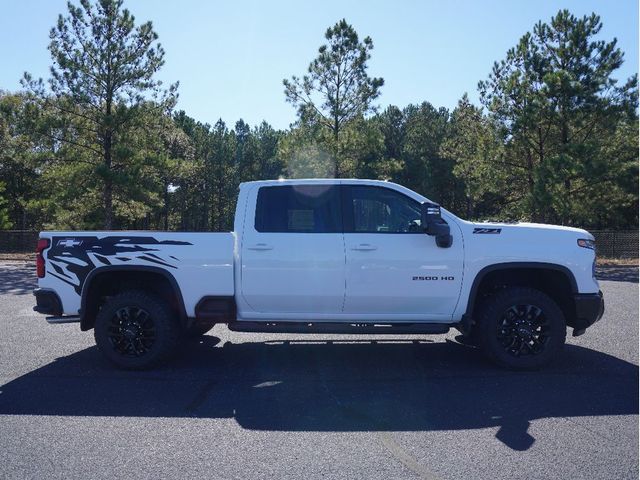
(342,328)
(63,319)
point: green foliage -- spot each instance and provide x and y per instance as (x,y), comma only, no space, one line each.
(19,156)
(204,189)
(555,140)
(472,144)
(101,86)
(426,170)
(559,107)
(335,91)
(5,223)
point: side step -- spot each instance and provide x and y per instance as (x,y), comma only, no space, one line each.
(343,328)
(63,319)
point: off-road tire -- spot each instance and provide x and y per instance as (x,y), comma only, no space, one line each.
(136,341)
(521,328)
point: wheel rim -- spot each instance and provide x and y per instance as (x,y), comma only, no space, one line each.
(132,331)
(523,330)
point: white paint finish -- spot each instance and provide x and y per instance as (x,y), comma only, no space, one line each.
(525,243)
(293,272)
(203,268)
(68,297)
(303,276)
(290,272)
(404,274)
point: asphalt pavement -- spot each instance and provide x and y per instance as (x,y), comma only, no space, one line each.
(239,405)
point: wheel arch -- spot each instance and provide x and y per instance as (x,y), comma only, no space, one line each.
(555,280)
(116,278)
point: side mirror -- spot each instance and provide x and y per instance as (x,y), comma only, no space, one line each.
(435,226)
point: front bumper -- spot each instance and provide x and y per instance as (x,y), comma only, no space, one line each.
(47,302)
(589,309)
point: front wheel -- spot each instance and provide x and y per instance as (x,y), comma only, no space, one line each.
(136,330)
(521,328)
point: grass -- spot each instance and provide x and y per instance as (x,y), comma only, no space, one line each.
(18,257)
(617,262)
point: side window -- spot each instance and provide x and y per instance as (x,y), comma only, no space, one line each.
(299,209)
(381,210)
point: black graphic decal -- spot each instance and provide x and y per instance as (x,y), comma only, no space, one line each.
(102,259)
(495,231)
(72,258)
(60,270)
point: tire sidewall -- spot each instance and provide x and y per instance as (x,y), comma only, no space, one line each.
(492,312)
(164,326)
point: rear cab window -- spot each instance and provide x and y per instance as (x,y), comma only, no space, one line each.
(298,209)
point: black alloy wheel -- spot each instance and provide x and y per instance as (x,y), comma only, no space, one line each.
(523,330)
(136,330)
(520,328)
(132,331)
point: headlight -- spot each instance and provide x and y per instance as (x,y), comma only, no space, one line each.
(586,243)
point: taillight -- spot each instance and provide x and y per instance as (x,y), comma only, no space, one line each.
(43,243)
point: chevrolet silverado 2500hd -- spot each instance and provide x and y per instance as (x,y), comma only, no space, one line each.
(326,256)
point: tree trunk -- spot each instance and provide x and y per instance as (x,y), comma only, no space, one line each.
(165,212)
(336,137)
(567,180)
(541,154)
(107,196)
(531,184)
(220,205)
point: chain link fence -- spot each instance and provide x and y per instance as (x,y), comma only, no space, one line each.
(616,243)
(18,241)
(610,243)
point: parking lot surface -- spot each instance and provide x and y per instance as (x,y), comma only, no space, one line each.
(239,405)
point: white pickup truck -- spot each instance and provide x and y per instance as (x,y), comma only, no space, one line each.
(326,256)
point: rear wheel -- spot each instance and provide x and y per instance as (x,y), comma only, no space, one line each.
(136,330)
(521,328)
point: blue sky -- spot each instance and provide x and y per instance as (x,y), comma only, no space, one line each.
(231,57)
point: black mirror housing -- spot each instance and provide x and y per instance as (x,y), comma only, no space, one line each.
(431,216)
(434,225)
(445,240)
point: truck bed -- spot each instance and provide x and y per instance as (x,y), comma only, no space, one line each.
(201,263)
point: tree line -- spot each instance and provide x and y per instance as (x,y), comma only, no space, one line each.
(100,145)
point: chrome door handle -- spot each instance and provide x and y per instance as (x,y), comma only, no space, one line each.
(260,247)
(364,247)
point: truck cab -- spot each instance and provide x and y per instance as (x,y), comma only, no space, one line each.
(343,251)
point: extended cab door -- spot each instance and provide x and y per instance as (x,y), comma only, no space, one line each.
(292,252)
(393,268)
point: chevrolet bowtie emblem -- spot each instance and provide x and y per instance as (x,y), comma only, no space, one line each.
(69,242)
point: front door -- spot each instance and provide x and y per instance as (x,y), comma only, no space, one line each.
(393,268)
(293,258)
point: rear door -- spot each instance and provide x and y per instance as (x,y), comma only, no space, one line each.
(393,268)
(293,256)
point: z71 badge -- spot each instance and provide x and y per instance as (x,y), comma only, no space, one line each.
(494,231)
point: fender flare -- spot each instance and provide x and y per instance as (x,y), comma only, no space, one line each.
(511,266)
(86,321)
